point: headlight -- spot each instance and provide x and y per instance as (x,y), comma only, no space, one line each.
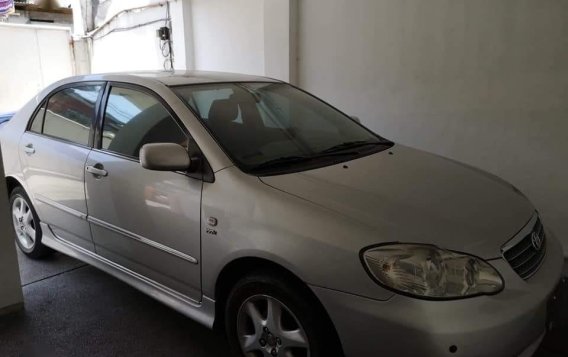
(426,271)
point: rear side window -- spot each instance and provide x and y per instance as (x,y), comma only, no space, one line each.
(70,112)
(134,118)
(37,123)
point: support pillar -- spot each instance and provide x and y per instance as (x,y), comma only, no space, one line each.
(182,34)
(280,39)
(11,297)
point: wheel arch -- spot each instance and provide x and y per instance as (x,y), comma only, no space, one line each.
(238,268)
(12,183)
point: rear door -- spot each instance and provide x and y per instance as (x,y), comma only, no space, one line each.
(53,152)
(146,221)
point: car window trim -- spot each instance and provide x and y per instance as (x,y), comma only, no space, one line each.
(205,173)
(55,138)
(33,117)
(97,140)
(117,155)
(45,102)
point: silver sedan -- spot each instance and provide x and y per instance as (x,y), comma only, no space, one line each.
(251,205)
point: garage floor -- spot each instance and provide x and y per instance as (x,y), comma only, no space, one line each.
(76,310)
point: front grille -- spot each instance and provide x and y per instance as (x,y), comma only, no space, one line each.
(527,255)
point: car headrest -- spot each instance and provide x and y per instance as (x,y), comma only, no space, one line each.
(223,111)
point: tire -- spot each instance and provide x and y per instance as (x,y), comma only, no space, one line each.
(303,321)
(26,224)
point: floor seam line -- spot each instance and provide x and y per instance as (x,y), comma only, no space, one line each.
(55,275)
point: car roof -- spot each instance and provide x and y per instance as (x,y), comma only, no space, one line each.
(175,78)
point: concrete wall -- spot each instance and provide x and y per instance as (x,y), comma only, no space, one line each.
(38,56)
(128,41)
(245,36)
(229,35)
(484,82)
(135,49)
(10,292)
(280,39)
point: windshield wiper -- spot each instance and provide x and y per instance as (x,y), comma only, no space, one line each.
(287,160)
(351,145)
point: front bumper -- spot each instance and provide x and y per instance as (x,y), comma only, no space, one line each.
(511,323)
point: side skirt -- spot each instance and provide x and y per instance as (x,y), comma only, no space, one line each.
(202,312)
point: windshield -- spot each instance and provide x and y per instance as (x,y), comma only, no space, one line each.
(273,128)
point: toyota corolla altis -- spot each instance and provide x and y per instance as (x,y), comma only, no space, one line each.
(249,204)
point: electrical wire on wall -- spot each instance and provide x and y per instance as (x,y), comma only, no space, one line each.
(164,32)
(121,29)
(166,41)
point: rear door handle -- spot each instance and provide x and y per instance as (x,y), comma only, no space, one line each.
(29,149)
(97,170)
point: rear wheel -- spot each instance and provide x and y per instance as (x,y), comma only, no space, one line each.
(270,316)
(26,225)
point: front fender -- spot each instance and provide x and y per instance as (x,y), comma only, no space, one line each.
(320,246)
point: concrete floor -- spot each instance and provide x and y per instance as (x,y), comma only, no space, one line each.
(72,309)
(76,310)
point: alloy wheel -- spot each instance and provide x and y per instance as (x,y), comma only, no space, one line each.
(24,223)
(267,327)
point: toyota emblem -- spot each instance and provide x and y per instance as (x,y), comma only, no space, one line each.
(536,240)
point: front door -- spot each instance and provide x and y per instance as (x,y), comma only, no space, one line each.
(146,221)
(53,152)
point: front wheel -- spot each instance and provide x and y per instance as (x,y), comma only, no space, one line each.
(26,225)
(268,316)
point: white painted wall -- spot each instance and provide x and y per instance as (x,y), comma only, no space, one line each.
(33,57)
(136,49)
(244,36)
(229,35)
(280,39)
(182,34)
(484,82)
(133,45)
(10,291)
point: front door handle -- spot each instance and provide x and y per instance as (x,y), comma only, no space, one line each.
(29,149)
(97,170)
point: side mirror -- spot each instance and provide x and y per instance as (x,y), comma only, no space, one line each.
(356,119)
(165,157)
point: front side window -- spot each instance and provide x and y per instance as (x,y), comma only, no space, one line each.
(69,114)
(133,119)
(273,128)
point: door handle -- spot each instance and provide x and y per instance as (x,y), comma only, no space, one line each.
(97,170)
(29,149)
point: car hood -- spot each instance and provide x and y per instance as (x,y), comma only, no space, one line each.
(407,195)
